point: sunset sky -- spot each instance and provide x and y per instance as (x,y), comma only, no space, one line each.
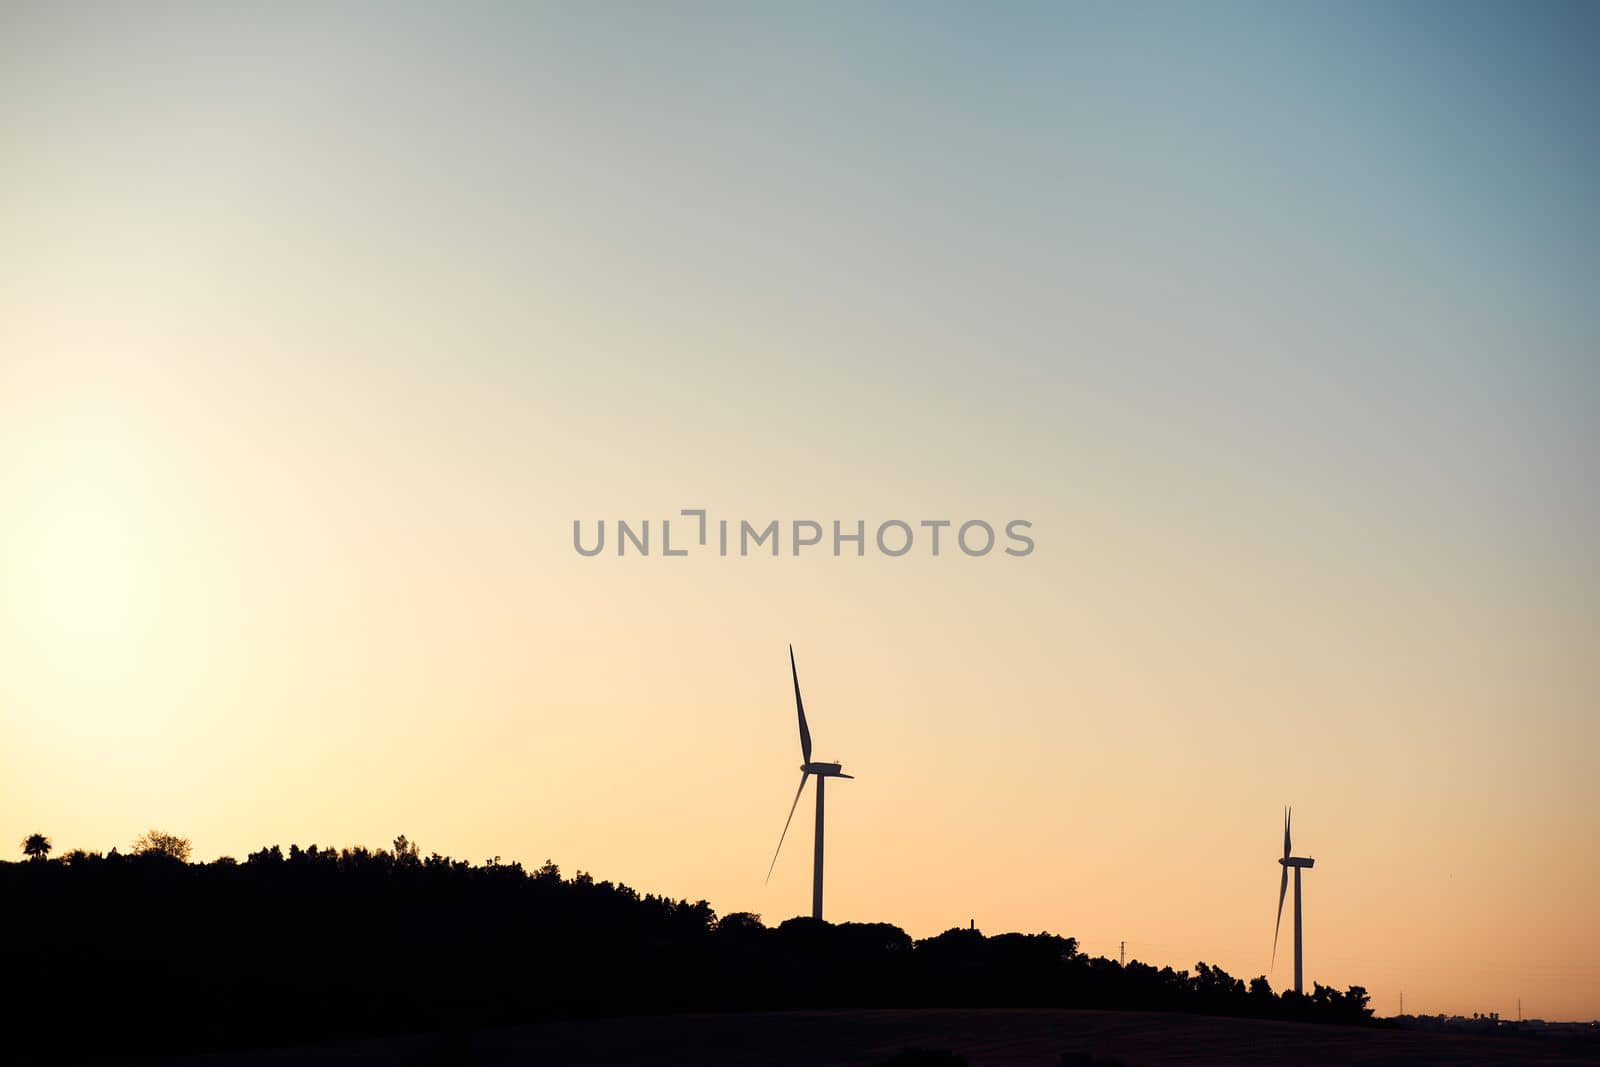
(320,325)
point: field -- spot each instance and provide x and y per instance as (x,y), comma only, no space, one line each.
(987,1038)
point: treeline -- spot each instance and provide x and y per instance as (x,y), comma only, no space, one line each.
(147,952)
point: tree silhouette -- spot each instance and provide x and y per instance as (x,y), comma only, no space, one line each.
(160,843)
(300,943)
(406,852)
(36,846)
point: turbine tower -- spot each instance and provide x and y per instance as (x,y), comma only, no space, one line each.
(1298,863)
(823,771)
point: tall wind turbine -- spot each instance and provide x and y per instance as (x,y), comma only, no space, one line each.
(823,771)
(1298,863)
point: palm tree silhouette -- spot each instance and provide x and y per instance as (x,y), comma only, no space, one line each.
(36,846)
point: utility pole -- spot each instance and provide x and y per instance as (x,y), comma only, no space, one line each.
(1122,955)
(1402,1003)
(1519,1009)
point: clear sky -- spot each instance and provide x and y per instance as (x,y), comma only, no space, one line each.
(319,326)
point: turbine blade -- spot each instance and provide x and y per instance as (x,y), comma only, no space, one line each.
(1283,887)
(1288,814)
(803,776)
(799,705)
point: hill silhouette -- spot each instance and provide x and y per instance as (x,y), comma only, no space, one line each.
(147,952)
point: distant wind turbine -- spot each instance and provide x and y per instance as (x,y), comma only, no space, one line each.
(1297,862)
(823,771)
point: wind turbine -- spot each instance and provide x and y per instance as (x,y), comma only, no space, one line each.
(823,771)
(1298,863)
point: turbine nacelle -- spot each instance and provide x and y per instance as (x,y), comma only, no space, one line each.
(1297,861)
(825,770)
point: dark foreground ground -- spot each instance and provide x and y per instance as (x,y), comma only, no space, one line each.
(987,1038)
